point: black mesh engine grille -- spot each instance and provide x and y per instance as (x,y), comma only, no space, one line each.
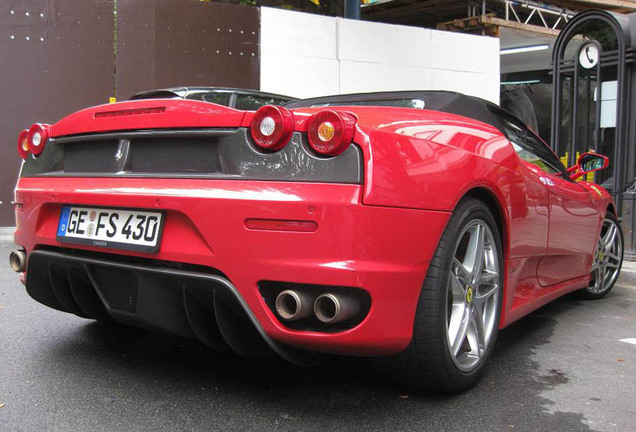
(196,156)
(91,157)
(119,287)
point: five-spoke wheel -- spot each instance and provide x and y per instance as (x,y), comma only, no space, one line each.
(608,259)
(473,295)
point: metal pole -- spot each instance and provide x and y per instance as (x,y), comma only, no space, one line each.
(588,88)
(574,113)
(599,101)
(352,9)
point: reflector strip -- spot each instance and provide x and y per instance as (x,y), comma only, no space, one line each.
(281,225)
(129,112)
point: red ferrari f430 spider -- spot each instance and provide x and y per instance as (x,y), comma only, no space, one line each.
(410,226)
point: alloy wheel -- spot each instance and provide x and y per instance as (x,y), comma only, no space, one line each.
(473,296)
(607,258)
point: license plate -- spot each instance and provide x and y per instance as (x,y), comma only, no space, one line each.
(136,230)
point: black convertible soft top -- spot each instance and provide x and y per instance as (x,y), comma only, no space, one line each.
(444,101)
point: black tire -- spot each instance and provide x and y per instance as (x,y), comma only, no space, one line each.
(427,363)
(604,256)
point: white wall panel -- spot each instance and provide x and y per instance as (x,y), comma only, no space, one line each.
(299,76)
(358,77)
(485,86)
(306,55)
(383,43)
(296,33)
(462,52)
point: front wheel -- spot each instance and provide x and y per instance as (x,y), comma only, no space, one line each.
(457,317)
(608,259)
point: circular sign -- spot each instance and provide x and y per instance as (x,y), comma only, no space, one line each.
(589,55)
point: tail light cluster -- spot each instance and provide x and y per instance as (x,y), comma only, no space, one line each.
(272,127)
(33,140)
(329,132)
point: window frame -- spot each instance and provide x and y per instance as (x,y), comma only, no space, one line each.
(530,142)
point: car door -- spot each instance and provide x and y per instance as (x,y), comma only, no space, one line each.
(574,225)
(574,221)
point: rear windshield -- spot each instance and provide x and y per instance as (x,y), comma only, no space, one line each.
(254,102)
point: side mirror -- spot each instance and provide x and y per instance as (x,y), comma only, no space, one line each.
(588,162)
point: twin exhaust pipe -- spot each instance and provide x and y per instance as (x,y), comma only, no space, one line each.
(329,308)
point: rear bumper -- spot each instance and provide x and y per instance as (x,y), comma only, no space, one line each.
(384,251)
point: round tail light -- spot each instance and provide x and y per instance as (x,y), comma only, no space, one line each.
(272,127)
(38,134)
(23,144)
(330,132)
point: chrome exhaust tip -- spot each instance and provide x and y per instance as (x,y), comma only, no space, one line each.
(293,305)
(331,308)
(17,260)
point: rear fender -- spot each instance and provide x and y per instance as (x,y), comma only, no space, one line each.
(434,173)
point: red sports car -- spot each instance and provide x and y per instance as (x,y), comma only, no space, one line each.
(406,225)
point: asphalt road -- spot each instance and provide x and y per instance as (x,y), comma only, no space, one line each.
(563,368)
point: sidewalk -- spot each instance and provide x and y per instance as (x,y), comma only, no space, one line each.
(6,234)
